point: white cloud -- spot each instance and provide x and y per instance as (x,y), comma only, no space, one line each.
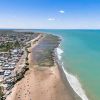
(51,19)
(62,11)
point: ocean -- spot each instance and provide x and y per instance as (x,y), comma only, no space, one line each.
(81,60)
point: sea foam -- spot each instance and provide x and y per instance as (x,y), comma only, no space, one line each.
(73,81)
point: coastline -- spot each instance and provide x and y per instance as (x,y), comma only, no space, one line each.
(74,83)
(43,83)
(63,75)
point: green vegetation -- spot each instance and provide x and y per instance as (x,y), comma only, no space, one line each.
(16,44)
(5,47)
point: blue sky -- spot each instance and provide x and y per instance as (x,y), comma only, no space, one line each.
(63,14)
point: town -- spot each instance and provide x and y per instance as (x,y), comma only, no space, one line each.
(13,47)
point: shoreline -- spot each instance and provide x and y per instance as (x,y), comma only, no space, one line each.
(74,83)
(43,79)
(64,77)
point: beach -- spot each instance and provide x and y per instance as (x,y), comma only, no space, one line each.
(42,82)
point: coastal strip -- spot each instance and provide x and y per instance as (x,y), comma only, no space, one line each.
(45,78)
(73,81)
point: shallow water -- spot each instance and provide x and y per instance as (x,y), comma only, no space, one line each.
(81,57)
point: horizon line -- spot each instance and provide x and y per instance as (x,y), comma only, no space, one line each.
(49,28)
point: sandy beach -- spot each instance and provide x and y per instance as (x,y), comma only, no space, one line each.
(41,83)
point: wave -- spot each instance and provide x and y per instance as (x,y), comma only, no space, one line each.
(73,81)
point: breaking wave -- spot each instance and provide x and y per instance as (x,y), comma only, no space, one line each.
(73,81)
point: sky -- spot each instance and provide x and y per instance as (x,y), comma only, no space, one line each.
(50,14)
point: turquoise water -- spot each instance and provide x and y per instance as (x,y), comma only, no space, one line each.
(82,57)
